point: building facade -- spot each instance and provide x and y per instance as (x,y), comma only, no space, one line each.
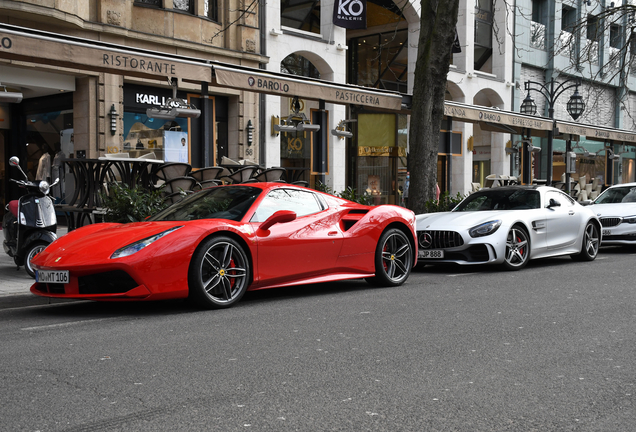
(78,101)
(561,41)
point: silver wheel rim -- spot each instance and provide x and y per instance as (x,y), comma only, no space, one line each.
(591,240)
(516,247)
(32,253)
(223,272)
(396,257)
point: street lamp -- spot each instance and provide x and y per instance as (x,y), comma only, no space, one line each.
(551,91)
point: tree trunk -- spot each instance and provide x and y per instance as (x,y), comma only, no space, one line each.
(437,33)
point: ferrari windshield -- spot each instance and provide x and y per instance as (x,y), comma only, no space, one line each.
(231,202)
(617,195)
(501,199)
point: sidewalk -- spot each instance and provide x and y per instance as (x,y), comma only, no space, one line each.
(16,282)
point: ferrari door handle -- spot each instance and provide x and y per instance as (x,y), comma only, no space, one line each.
(571,212)
(332,233)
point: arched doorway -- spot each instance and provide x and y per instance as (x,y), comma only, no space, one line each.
(301,151)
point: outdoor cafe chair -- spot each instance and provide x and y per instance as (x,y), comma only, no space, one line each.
(274,174)
(171,170)
(242,175)
(206,174)
(178,184)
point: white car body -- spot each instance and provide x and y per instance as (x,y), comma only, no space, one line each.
(616,209)
(526,220)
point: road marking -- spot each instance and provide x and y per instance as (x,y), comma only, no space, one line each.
(42,305)
(461,274)
(66,324)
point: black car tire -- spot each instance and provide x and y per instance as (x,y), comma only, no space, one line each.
(393,259)
(219,273)
(590,243)
(32,250)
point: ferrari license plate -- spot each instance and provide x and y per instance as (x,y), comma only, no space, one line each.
(607,232)
(52,276)
(430,253)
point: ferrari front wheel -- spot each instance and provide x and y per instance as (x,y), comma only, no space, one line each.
(517,249)
(219,273)
(393,259)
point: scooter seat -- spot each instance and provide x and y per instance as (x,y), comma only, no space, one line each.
(13,207)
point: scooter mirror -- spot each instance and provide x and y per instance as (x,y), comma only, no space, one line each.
(14,161)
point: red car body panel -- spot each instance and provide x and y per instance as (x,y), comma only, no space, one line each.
(337,243)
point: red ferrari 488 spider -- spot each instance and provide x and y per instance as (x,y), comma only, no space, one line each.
(218,243)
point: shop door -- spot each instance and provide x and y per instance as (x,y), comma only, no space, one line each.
(381,162)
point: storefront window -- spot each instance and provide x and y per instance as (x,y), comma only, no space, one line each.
(48,134)
(167,139)
(381,164)
(295,147)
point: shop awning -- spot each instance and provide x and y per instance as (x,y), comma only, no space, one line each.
(497,120)
(256,80)
(595,132)
(19,43)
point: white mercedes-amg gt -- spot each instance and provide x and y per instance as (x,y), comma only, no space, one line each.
(509,225)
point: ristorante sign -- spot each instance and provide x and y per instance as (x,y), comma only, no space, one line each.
(283,86)
(38,48)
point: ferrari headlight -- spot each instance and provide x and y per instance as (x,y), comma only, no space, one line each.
(629,219)
(139,245)
(485,229)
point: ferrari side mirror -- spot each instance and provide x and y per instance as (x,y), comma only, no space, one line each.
(281,216)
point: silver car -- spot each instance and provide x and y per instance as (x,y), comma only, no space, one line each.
(509,225)
(616,209)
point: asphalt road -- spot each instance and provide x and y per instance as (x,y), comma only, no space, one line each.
(549,348)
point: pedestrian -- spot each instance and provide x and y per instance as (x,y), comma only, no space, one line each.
(405,194)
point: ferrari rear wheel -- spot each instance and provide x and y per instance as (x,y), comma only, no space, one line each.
(393,259)
(590,243)
(219,273)
(517,252)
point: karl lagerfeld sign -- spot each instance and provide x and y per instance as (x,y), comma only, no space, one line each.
(350,14)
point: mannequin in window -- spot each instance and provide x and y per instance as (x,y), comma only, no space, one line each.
(44,165)
(57,171)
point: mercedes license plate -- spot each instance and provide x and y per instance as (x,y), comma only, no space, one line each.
(436,253)
(52,276)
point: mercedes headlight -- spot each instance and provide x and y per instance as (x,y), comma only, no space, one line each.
(485,229)
(139,245)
